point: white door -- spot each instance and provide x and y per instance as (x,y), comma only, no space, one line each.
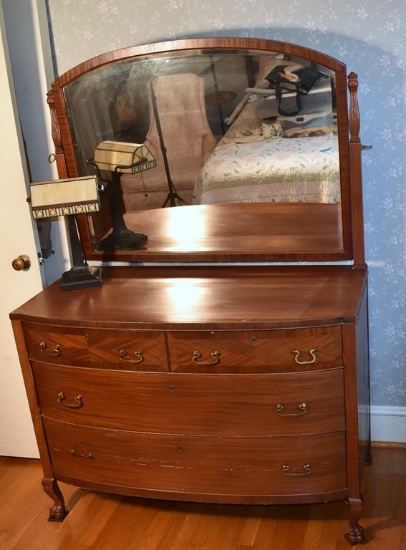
(16,238)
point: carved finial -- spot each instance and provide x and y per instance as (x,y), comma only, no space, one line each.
(56,134)
(354,119)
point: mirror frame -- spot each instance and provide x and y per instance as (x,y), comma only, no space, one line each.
(348,125)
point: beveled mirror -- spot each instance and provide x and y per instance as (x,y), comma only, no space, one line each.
(249,166)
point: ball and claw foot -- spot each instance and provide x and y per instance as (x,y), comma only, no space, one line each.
(57,513)
(356,535)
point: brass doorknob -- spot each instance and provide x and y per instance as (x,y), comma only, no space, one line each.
(21,263)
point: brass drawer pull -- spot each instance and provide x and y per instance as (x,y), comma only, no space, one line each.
(307,470)
(214,354)
(280,408)
(74,453)
(56,349)
(77,405)
(310,362)
(138,354)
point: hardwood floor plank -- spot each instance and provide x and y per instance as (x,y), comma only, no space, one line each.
(108,522)
(249,532)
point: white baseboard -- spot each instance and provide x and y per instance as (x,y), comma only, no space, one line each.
(388,424)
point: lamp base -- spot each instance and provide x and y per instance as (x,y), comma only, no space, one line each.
(122,239)
(81,276)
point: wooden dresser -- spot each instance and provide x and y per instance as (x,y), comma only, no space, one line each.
(225,361)
(214,385)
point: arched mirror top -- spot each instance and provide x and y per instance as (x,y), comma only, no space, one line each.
(248,148)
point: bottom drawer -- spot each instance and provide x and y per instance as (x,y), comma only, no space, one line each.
(198,465)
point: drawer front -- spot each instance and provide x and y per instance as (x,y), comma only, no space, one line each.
(256,351)
(128,350)
(98,348)
(55,344)
(266,404)
(226,466)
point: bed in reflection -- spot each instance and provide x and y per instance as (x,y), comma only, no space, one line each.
(262,157)
(262,168)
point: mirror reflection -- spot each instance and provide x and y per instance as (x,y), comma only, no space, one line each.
(224,126)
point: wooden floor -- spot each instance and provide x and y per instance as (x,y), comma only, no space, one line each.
(108,522)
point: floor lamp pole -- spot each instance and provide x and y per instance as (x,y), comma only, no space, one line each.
(172,196)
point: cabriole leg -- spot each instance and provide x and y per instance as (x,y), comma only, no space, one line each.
(356,533)
(58,510)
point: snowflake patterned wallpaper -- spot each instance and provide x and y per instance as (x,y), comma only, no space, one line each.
(370,37)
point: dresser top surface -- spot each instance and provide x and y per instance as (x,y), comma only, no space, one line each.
(226,297)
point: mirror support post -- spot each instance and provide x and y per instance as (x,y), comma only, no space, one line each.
(356,173)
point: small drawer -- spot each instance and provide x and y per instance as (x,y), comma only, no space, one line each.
(235,469)
(128,350)
(281,350)
(56,344)
(258,405)
(97,348)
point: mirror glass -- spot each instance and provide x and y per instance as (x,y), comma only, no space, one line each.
(227,126)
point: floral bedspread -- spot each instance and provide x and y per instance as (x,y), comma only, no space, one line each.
(277,169)
(262,161)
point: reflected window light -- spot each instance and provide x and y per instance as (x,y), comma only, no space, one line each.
(187,227)
(186,294)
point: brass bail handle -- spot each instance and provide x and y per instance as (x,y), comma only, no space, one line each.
(214,354)
(56,350)
(305,362)
(124,356)
(305,471)
(77,404)
(280,411)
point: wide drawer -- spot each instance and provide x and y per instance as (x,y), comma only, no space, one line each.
(199,465)
(255,351)
(265,404)
(98,348)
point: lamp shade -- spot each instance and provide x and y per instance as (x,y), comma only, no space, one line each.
(128,158)
(64,197)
